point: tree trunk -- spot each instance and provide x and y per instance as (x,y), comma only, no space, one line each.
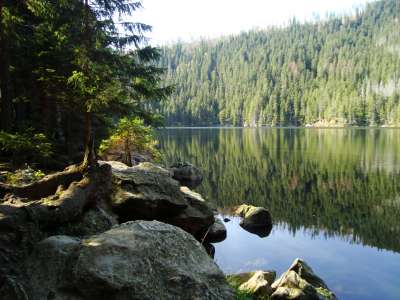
(5,102)
(89,158)
(128,155)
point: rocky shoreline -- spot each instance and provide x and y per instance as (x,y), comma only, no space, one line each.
(119,232)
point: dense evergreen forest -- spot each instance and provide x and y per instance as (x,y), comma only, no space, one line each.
(69,70)
(343,70)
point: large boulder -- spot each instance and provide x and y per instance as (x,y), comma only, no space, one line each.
(299,282)
(187,174)
(95,220)
(217,232)
(47,268)
(135,260)
(148,192)
(145,191)
(256,220)
(196,218)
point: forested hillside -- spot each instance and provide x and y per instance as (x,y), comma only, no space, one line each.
(344,70)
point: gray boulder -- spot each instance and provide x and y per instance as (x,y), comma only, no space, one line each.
(196,218)
(148,192)
(135,260)
(299,282)
(145,191)
(187,174)
(47,268)
(93,221)
(256,220)
(216,233)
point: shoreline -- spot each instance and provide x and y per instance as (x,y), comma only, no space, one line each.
(282,127)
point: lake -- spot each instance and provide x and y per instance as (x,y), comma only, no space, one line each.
(334,196)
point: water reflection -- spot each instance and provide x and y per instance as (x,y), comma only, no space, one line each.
(335,182)
(352,272)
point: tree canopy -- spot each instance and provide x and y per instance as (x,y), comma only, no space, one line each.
(70,69)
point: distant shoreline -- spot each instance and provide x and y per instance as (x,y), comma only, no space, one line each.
(282,127)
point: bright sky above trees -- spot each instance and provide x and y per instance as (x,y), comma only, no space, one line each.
(191,19)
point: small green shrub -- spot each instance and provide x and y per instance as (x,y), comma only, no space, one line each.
(131,136)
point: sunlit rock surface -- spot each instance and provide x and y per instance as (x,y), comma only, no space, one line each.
(301,283)
(135,260)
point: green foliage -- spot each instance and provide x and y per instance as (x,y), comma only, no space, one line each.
(24,176)
(131,136)
(25,146)
(239,294)
(62,60)
(344,70)
(242,295)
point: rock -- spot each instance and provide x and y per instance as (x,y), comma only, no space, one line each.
(47,267)
(135,260)
(148,192)
(256,220)
(116,166)
(191,194)
(12,288)
(95,220)
(119,167)
(145,192)
(241,278)
(210,249)
(226,220)
(301,283)
(119,155)
(294,287)
(150,167)
(187,174)
(196,218)
(138,158)
(259,285)
(216,233)
(61,201)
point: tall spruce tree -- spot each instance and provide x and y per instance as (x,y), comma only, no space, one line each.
(106,36)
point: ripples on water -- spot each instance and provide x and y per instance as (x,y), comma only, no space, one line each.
(333,195)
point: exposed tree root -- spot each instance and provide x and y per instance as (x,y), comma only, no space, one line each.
(27,213)
(46,186)
(72,202)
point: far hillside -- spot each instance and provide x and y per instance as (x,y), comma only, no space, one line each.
(341,71)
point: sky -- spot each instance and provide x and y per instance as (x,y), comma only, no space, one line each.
(189,20)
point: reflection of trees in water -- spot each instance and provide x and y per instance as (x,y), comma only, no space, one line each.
(343,182)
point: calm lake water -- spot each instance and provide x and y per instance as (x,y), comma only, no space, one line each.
(334,195)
